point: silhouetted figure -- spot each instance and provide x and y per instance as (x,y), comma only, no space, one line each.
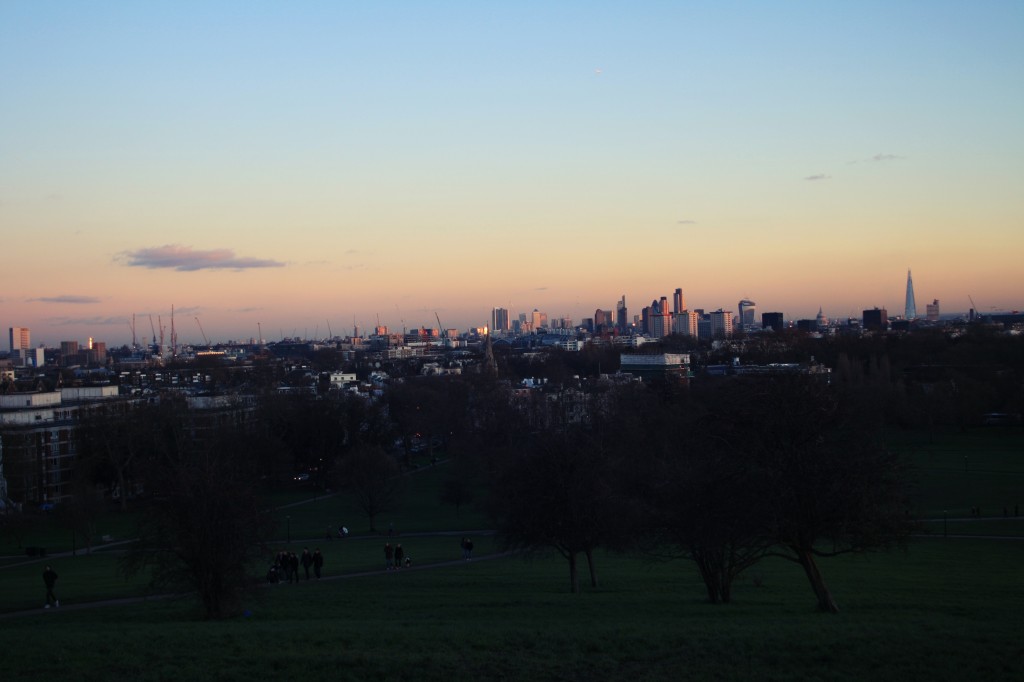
(318,562)
(307,561)
(50,580)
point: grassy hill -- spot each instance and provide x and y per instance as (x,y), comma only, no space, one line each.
(943,609)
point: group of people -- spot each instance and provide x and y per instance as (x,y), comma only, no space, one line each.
(395,558)
(286,566)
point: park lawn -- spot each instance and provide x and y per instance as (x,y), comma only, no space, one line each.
(927,613)
(957,470)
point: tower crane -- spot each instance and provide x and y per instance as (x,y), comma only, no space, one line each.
(153,329)
(205,340)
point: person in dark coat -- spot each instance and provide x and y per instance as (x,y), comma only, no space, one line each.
(50,580)
(399,553)
(318,562)
(389,556)
(307,560)
(293,564)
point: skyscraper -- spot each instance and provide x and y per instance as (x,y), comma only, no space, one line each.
(911,309)
(20,339)
(621,320)
(678,302)
(748,309)
(499,320)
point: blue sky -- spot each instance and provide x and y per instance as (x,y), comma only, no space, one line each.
(347,160)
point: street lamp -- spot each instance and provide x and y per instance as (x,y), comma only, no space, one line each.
(289,519)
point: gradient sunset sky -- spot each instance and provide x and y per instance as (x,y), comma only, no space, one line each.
(296,164)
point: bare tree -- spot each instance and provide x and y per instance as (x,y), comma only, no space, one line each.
(374,479)
(204,523)
(830,485)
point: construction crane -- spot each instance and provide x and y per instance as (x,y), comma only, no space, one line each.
(974,308)
(205,340)
(153,328)
(441,330)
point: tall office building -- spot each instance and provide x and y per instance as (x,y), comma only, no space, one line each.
(876,319)
(910,312)
(748,309)
(932,310)
(21,339)
(621,320)
(678,302)
(773,321)
(721,324)
(538,320)
(499,320)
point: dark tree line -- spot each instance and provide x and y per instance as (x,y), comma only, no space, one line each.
(723,473)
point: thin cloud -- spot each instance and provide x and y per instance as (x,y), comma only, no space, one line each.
(87,321)
(187,259)
(76,300)
(819,176)
(885,157)
(541,289)
(686,222)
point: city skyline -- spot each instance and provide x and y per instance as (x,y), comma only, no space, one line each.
(294,167)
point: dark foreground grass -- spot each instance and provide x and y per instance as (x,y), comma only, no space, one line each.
(943,610)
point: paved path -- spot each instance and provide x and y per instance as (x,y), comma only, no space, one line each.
(160,597)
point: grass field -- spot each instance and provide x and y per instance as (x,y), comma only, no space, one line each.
(943,609)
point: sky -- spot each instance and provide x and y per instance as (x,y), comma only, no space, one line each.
(304,166)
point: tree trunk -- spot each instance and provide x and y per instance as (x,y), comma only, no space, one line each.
(592,567)
(709,575)
(825,601)
(574,576)
(124,493)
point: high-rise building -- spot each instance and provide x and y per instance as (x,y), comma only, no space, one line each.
(21,339)
(685,323)
(678,302)
(538,320)
(876,319)
(773,321)
(932,310)
(621,320)
(499,320)
(721,324)
(748,310)
(910,312)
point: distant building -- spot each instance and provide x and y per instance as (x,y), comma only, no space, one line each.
(663,366)
(678,302)
(747,312)
(876,319)
(932,311)
(21,340)
(499,320)
(621,318)
(910,311)
(721,324)
(685,323)
(773,321)
(821,320)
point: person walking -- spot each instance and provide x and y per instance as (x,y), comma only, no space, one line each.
(307,560)
(389,556)
(318,562)
(469,549)
(293,564)
(399,553)
(50,580)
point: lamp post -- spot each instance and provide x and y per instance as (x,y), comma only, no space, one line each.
(289,520)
